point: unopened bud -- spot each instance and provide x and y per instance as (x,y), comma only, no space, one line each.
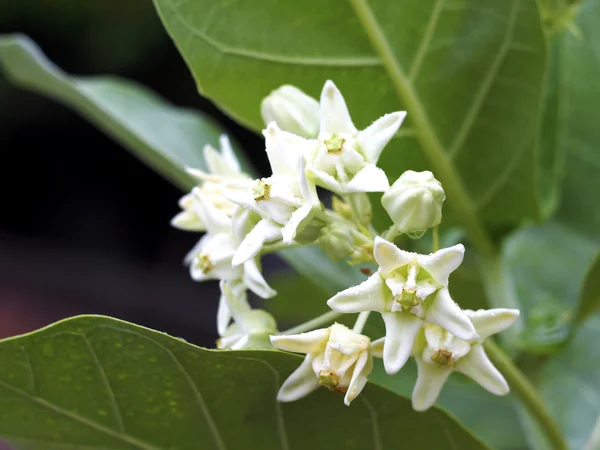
(414,202)
(292,110)
(336,241)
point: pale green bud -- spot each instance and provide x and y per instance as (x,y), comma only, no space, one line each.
(414,202)
(292,110)
(336,242)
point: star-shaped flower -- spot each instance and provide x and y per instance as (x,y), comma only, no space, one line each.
(336,357)
(285,201)
(344,159)
(408,289)
(440,352)
(224,173)
(211,258)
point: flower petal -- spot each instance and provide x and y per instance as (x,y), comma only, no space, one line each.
(187,221)
(325,180)
(300,383)
(443,262)
(223,315)
(288,232)
(492,321)
(197,248)
(309,342)
(335,117)
(444,312)
(369,179)
(430,380)
(263,232)
(477,365)
(370,295)
(229,156)
(377,347)
(283,149)
(255,280)
(360,375)
(373,139)
(401,329)
(389,257)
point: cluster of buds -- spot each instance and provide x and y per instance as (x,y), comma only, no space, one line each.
(312,144)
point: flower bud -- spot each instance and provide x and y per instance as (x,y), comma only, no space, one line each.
(251,330)
(336,242)
(292,110)
(414,202)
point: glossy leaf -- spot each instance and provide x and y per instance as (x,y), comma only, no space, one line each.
(555,264)
(486,415)
(163,136)
(96,382)
(475,70)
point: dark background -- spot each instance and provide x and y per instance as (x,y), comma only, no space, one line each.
(84,226)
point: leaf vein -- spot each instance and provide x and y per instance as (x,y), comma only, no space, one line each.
(107,386)
(427,38)
(280,420)
(478,101)
(270,57)
(83,420)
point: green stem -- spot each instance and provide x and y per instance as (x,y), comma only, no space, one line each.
(323,319)
(278,246)
(527,394)
(425,132)
(361,321)
(436,238)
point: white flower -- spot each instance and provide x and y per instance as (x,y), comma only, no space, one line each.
(211,258)
(285,201)
(336,357)
(408,289)
(292,110)
(344,159)
(414,202)
(224,174)
(251,327)
(441,353)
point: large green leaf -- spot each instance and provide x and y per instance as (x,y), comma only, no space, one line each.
(96,382)
(474,70)
(163,136)
(555,265)
(486,415)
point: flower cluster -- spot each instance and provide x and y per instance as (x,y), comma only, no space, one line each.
(311,144)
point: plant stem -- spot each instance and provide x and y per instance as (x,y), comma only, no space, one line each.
(314,323)
(361,321)
(278,246)
(527,394)
(436,238)
(425,132)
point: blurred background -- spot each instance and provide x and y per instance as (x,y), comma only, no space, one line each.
(84,226)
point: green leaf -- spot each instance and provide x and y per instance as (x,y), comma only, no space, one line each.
(165,137)
(475,70)
(548,264)
(579,132)
(569,384)
(96,382)
(555,265)
(590,296)
(488,416)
